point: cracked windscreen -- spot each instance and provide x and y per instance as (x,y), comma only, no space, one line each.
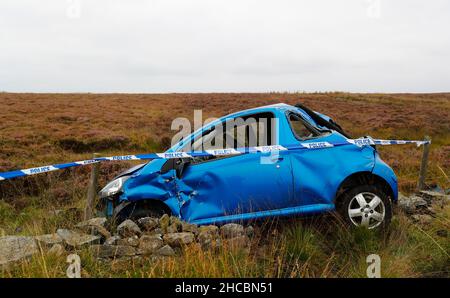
(300,129)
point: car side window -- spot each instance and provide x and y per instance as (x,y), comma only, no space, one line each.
(249,131)
(300,128)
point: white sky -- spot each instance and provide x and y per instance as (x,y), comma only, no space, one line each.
(224,46)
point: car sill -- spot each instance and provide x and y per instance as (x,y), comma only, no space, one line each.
(307,209)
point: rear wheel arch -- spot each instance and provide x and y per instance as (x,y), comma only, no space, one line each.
(363,178)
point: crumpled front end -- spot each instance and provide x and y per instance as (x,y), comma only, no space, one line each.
(151,183)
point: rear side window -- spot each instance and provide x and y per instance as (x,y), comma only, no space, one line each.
(301,128)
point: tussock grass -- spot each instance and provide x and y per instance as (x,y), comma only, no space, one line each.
(311,247)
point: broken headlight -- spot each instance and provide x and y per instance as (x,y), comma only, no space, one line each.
(113,187)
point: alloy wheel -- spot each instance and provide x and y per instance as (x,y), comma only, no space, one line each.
(366,209)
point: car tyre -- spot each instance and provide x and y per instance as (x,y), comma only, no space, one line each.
(365,205)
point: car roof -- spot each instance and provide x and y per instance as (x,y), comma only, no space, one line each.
(277,106)
(270,108)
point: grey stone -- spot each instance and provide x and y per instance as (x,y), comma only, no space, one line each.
(249,231)
(76,239)
(205,239)
(164,222)
(174,228)
(112,240)
(149,244)
(95,226)
(418,202)
(131,241)
(187,227)
(166,251)
(48,240)
(173,220)
(96,221)
(179,239)
(148,223)
(422,218)
(411,204)
(211,229)
(112,251)
(15,248)
(97,230)
(431,196)
(210,243)
(232,230)
(128,228)
(157,231)
(56,250)
(207,235)
(402,200)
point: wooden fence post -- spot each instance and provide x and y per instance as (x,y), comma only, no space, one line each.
(92,190)
(424,164)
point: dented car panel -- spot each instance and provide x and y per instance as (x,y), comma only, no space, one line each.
(256,185)
(241,184)
(150,183)
(327,168)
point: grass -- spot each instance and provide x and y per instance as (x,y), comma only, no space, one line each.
(38,129)
(314,247)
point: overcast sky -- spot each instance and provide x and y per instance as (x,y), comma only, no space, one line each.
(224,46)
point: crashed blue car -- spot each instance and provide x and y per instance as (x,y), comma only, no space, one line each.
(351,179)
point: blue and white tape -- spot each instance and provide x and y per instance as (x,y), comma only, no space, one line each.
(217,152)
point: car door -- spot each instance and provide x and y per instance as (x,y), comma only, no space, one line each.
(310,167)
(238,184)
(319,172)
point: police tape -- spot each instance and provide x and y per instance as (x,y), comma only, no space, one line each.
(215,152)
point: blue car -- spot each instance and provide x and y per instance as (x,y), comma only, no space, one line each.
(351,179)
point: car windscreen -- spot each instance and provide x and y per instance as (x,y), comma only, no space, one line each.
(301,128)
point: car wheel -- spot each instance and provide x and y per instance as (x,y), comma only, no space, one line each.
(366,206)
